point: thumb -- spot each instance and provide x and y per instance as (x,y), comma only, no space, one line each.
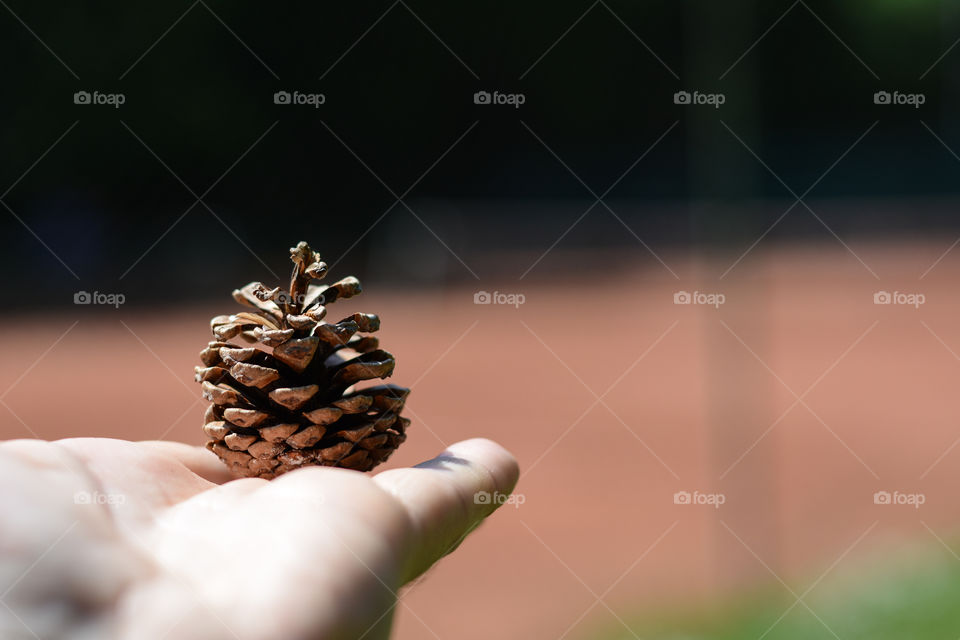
(449,496)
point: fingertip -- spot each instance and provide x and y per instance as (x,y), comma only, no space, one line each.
(199,460)
(497,460)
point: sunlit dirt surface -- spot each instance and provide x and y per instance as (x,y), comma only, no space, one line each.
(797,399)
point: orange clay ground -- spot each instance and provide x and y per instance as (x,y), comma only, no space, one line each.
(797,399)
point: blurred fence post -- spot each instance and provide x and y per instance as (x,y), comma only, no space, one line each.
(950,86)
(724,189)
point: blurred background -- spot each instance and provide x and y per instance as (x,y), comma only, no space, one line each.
(694,263)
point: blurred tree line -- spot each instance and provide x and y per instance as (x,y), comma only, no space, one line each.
(398,80)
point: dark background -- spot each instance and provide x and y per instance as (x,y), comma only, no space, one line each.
(199,93)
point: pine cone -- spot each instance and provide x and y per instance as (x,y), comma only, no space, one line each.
(287,400)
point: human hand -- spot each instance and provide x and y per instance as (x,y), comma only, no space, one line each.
(103,538)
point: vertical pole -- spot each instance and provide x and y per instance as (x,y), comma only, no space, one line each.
(726,217)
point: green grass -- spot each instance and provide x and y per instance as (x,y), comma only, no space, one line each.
(914,595)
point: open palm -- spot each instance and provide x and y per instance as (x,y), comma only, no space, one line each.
(104,538)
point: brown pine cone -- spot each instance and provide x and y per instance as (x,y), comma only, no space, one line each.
(285,399)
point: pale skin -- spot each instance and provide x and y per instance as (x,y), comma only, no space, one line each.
(104,538)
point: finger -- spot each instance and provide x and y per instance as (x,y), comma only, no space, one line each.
(201,461)
(441,496)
